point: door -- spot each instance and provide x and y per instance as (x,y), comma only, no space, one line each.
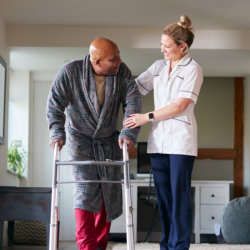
(42,160)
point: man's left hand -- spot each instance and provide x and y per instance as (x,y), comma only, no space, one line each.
(130,144)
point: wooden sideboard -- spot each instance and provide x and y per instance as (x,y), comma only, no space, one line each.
(19,204)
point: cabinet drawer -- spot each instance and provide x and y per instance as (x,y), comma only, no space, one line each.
(212,195)
(210,215)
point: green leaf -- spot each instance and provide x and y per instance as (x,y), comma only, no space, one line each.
(16,158)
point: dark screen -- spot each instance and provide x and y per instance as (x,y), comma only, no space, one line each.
(143,159)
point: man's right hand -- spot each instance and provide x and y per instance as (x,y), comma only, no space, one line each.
(61,143)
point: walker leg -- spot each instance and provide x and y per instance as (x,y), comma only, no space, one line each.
(128,202)
(54,205)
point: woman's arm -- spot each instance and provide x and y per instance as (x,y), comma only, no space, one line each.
(168,111)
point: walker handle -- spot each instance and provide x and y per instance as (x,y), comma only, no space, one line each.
(125,151)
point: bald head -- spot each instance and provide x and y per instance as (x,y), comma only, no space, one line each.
(104,56)
(101,47)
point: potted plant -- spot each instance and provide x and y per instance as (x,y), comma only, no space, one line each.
(16,158)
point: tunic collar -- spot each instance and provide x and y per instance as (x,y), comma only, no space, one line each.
(185,60)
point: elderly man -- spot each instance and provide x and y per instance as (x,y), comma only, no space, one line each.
(91,90)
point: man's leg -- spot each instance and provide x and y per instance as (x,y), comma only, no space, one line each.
(102,228)
(85,230)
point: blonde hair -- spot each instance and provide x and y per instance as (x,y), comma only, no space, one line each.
(181,32)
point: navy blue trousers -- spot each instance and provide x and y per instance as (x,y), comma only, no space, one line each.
(172,179)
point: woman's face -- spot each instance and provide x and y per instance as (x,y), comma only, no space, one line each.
(170,49)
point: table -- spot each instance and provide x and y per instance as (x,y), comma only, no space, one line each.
(28,203)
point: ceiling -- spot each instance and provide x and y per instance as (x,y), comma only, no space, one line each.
(212,14)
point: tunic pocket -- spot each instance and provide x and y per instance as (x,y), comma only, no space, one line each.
(182,134)
(183,119)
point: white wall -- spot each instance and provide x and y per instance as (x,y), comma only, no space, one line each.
(18,120)
(19,107)
(6,179)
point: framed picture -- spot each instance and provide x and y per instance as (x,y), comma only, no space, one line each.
(3,67)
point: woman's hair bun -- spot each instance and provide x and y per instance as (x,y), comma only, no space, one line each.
(185,22)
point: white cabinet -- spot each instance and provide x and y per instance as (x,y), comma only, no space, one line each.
(210,198)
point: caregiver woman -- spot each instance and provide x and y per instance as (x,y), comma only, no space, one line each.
(172,142)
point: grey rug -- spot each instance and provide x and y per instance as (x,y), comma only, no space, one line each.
(154,246)
(138,246)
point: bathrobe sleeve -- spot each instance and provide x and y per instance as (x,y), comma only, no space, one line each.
(131,101)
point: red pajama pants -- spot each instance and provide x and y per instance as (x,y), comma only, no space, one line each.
(92,229)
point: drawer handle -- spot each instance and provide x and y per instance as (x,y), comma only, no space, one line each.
(212,195)
(212,217)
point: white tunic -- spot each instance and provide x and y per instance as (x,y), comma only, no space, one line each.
(177,135)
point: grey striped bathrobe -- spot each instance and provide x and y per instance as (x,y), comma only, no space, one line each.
(92,133)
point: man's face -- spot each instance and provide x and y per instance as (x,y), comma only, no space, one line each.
(110,63)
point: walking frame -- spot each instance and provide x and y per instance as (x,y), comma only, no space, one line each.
(53,238)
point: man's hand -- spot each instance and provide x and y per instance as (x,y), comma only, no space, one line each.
(61,143)
(130,144)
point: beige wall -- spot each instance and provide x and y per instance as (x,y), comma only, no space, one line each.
(215,120)
(215,117)
(247,135)
(6,179)
(3,48)
(215,113)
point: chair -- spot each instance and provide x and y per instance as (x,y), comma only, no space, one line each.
(152,201)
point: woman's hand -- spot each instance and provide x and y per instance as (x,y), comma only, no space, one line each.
(136,120)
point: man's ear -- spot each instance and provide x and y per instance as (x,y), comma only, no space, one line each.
(98,62)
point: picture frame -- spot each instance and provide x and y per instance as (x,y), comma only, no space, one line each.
(3,70)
